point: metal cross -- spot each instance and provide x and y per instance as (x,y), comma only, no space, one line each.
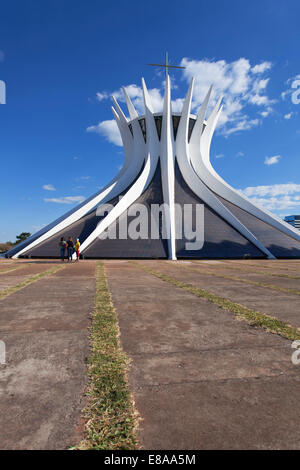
(167,65)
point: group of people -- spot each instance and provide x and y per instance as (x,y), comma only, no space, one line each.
(69,247)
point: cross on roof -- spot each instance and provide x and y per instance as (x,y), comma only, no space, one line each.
(167,65)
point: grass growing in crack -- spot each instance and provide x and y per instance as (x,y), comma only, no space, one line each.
(111,419)
(30,280)
(287,290)
(265,273)
(252,317)
(255,266)
(9,270)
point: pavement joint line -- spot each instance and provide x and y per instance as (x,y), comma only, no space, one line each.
(110,415)
(241,312)
(41,330)
(10,270)
(229,379)
(206,350)
(245,281)
(255,266)
(265,378)
(287,276)
(36,277)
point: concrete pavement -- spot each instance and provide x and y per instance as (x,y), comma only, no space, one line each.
(201,379)
(45,330)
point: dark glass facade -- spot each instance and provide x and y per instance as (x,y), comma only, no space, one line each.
(293,220)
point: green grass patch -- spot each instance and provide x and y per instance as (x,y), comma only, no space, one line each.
(111,418)
(252,317)
(10,290)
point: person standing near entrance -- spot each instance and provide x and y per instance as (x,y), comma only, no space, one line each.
(70,246)
(77,249)
(62,246)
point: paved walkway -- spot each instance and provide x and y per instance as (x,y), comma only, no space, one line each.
(201,379)
(282,305)
(10,276)
(45,329)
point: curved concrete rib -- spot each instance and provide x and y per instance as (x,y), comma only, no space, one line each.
(195,183)
(200,158)
(131,109)
(198,127)
(143,181)
(126,136)
(140,162)
(168,170)
(128,173)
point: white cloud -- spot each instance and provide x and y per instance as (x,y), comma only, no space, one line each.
(109,130)
(259,99)
(177,105)
(49,187)
(260,84)
(243,85)
(239,84)
(240,154)
(102,96)
(242,125)
(66,199)
(135,92)
(266,112)
(275,197)
(288,116)
(279,203)
(232,78)
(220,155)
(272,160)
(261,68)
(272,190)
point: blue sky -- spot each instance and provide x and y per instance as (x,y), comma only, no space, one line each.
(61,60)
